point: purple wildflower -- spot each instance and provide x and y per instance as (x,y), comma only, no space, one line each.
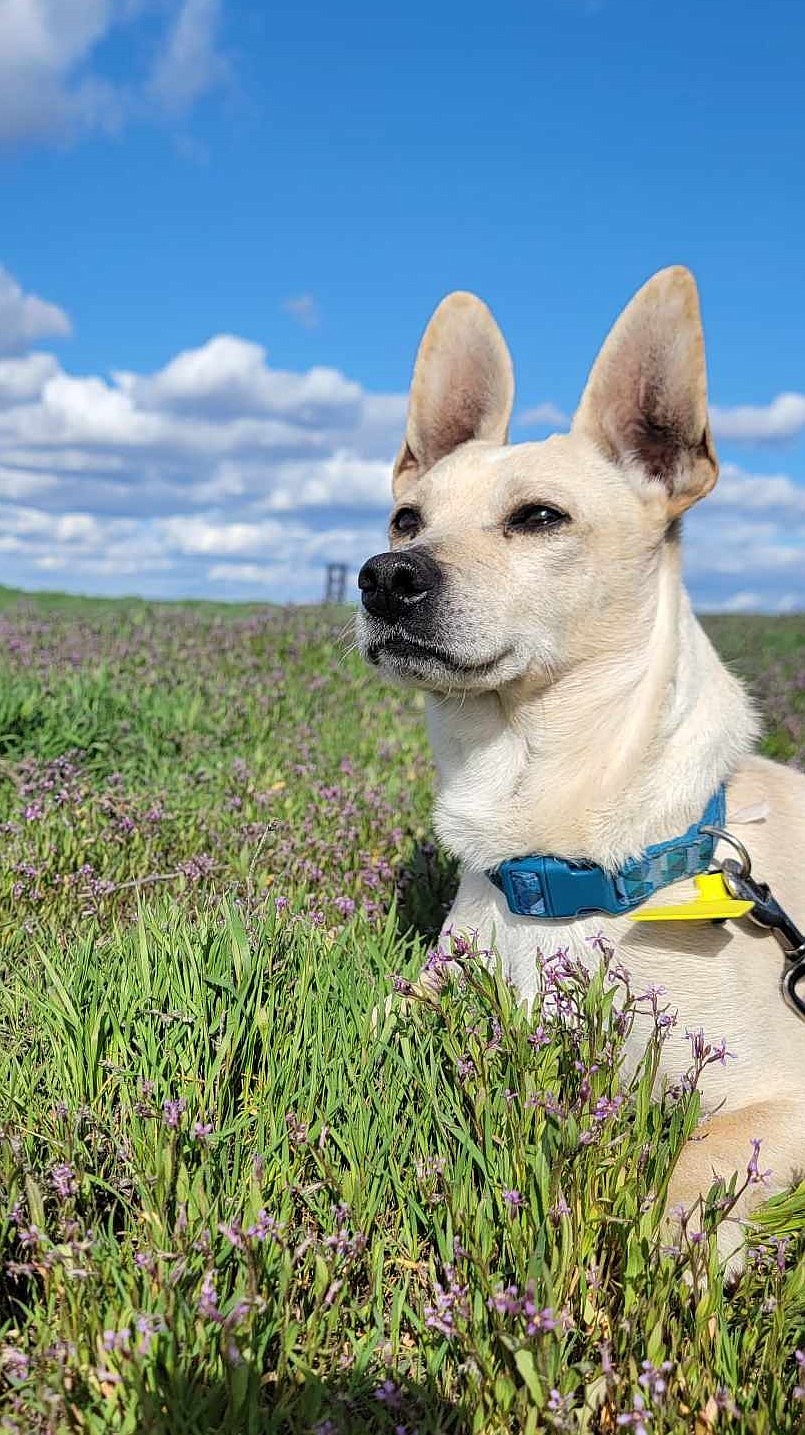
(756,1177)
(389,1394)
(116,1339)
(560,1407)
(514,1200)
(148,1326)
(593,1277)
(14,1363)
(653,1378)
(607,1106)
(263,1227)
(703,1053)
(435,972)
(297,1129)
(208,1299)
(637,1419)
(233,1232)
(460,947)
(538,1322)
(63,1181)
(506,1302)
(172,1111)
(652,992)
(449,1303)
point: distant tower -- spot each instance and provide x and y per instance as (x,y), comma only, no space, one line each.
(336,589)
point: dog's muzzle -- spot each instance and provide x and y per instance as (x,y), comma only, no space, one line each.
(394,586)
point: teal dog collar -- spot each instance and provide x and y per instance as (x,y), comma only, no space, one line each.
(552,887)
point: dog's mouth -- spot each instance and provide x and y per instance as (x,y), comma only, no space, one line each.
(412,653)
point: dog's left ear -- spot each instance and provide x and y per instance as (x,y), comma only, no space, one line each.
(645,404)
(462,388)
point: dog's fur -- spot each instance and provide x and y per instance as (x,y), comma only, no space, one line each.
(577,707)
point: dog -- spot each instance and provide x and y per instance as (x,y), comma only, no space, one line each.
(576,707)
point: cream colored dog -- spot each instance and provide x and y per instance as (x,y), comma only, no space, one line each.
(577,708)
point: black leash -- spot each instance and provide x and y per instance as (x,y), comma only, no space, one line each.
(767,913)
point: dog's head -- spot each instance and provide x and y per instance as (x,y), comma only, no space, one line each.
(507,562)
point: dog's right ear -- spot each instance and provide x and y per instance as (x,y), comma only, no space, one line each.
(463,387)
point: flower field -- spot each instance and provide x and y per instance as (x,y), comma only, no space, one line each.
(245,1186)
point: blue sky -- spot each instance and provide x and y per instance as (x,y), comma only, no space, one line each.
(224,225)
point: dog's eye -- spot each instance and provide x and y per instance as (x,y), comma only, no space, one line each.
(406,521)
(532,517)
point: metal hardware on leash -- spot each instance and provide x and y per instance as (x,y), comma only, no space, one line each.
(767,913)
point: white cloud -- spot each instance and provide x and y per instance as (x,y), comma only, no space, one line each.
(196,534)
(545,415)
(742,602)
(147,481)
(24,319)
(22,380)
(210,535)
(52,85)
(304,309)
(262,575)
(747,601)
(762,492)
(340,477)
(228,377)
(42,46)
(745,545)
(17,484)
(783,418)
(190,63)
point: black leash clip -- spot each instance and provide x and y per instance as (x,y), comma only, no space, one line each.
(766,912)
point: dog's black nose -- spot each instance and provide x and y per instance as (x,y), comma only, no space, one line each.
(394,584)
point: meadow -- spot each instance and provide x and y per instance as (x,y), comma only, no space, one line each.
(245,1184)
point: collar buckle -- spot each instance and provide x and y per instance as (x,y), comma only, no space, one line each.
(551,888)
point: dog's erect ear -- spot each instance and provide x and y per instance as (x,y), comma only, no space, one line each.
(463,387)
(645,404)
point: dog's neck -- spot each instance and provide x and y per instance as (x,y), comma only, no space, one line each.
(622,751)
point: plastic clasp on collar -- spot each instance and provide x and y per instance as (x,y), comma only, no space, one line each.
(544,887)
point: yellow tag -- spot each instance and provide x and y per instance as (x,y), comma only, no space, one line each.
(713,903)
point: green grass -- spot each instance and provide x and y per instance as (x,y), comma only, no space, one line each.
(244,1186)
